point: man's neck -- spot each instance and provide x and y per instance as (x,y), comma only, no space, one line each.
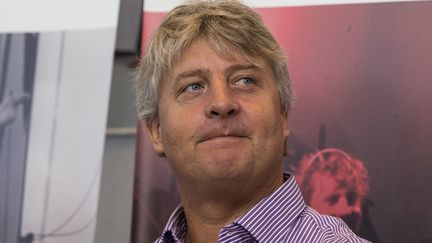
(209,208)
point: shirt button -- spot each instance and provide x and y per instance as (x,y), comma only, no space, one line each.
(230,233)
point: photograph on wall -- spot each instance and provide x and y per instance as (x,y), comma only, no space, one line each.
(359,128)
(50,99)
(55,76)
(70,102)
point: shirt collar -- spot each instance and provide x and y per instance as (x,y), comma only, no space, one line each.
(271,218)
(175,229)
(266,222)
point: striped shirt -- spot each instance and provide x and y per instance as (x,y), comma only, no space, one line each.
(280,217)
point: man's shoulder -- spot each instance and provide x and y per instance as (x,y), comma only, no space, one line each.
(325,228)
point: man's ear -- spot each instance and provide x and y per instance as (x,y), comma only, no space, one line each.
(285,125)
(154,131)
(286,132)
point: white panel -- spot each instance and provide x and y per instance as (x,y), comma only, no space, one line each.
(67,135)
(166,5)
(53,15)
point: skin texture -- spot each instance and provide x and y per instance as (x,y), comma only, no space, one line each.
(221,128)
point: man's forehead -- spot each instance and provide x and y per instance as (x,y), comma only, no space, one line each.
(197,49)
(205,70)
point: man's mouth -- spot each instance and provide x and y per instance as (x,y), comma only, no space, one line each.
(222,135)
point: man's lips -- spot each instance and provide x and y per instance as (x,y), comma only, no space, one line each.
(218,134)
(222,137)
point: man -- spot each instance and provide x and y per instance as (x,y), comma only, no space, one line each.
(214,92)
(335,183)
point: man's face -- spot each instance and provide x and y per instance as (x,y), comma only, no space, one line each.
(219,118)
(330,198)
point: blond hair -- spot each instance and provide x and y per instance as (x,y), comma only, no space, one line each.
(229,26)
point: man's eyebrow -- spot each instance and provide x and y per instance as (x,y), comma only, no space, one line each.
(238,67)
(202,72)
(192,73)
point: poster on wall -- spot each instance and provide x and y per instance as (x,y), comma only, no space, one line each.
(360,126)
(54,87)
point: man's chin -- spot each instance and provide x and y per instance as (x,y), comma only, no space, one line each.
(225,167)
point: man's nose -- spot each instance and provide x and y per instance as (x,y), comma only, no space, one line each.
(222,103)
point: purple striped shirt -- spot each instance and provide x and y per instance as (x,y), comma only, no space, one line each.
(282,216)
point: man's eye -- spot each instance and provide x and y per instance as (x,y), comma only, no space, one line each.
(245,81)
(192,87)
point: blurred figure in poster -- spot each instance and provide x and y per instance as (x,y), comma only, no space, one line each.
(336,184)
(9,107)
